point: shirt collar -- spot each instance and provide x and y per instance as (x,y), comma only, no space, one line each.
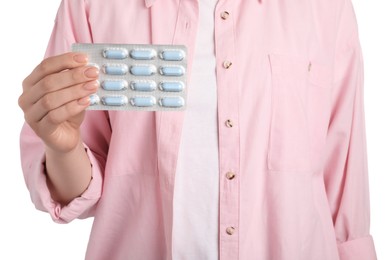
(149,3)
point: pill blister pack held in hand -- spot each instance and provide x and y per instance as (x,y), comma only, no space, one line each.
(137,76)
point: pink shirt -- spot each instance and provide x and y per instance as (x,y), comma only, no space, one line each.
(292,154)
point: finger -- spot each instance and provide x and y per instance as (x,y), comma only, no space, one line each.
(54,100)
(59,115)
(55,64)
(58,81)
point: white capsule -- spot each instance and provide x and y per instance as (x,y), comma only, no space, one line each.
(172,55)
(143,85)
(114,100)
(143,101)
(115,85)
(94,99)
(171,86)
(115,53)
(176,71)
(115,69)
(175,102)
(143,54)
(143,70)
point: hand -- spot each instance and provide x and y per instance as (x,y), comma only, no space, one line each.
(55,96)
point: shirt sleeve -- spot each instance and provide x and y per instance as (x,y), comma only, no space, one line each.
(346,171)
(71,25)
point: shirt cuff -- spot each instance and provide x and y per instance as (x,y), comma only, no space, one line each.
(357,249)
(80,207)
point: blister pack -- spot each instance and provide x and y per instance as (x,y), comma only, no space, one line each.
(138,76)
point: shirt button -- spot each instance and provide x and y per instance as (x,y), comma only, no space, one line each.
(230,231)
(225,15)
(230,175)
(227,64)
(229,123)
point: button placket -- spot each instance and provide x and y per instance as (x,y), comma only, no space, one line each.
(228,130)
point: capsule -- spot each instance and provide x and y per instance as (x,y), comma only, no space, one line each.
(175,102)
(114,100)
(115,53)
(94,99)
(143,70)
(144,85)
(143,54)
(176,71)
(172,55)
(143,101)
(115,69)
(115,85)
(171,86)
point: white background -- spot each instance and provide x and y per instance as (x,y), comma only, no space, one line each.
(29,234)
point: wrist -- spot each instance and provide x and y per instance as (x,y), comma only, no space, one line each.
(65,152)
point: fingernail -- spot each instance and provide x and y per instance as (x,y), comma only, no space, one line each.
(91,72)
(91,85)
(83,101)
(80,58)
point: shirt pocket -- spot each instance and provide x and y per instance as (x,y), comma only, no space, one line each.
(291,133)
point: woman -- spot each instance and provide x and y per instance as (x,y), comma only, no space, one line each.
(267,162)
